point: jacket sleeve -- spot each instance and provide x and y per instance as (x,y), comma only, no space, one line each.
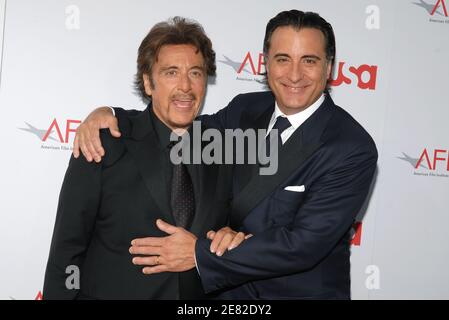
(120,112)
(319,224)
(76,214)
(226,118)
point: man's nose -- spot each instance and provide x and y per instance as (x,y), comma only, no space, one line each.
(185,83)
(296,73)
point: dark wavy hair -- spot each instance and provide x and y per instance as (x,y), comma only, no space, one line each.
(174,31)
(298,20)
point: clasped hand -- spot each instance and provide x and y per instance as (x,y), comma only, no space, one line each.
(176,252)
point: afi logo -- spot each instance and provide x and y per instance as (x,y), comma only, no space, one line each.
(370,71)
(68,128)
(438,155)
(249,60)
(251,65)
(436,7)
(433,9)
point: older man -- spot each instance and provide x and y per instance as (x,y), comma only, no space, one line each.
(102,207)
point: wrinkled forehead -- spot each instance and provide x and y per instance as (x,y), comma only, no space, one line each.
(187,53)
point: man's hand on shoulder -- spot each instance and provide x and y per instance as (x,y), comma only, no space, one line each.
(87,137)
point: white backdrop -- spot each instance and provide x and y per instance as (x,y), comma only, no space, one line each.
(62,58)
(2,14)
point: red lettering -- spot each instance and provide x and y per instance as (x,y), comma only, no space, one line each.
(435,157)
(448,163)
(356,239)
(370,84)
(436,7)
(372,70)
(261,63)
(424,154)
(340,76)
(39,296)
(68,129)
(250,60)
(49,131)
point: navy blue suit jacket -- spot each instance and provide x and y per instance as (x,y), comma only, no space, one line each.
(301,243)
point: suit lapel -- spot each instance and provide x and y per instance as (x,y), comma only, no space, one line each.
(298,148)
(147,154)
(204,179)
(245,172)
(204,176)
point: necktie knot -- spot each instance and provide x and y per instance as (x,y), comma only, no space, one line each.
(281,124)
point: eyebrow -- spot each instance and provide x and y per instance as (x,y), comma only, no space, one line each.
(277,55)
(308,56)
(176,67)
(202,68)
(168,68)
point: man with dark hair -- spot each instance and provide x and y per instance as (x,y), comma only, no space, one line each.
(300,218)
(102,207)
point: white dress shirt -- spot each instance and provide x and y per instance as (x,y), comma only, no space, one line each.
(296,119)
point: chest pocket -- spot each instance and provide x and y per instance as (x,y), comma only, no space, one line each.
(284,206)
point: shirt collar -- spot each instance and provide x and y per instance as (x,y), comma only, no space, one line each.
(162,131)
(298,119)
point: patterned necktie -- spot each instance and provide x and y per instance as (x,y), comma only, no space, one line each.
(182,198)
(281,125)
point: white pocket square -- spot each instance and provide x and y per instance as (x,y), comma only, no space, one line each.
(295,188)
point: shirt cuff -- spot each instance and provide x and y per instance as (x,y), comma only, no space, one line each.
(196,264)
(112,109)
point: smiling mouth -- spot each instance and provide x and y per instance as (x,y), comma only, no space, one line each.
(295,89)
(183,103)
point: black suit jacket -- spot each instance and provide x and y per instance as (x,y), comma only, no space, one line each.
(102,207)
(301,243)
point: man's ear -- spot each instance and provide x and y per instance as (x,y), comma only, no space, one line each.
(267,62)
(329,69)
(147,84)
